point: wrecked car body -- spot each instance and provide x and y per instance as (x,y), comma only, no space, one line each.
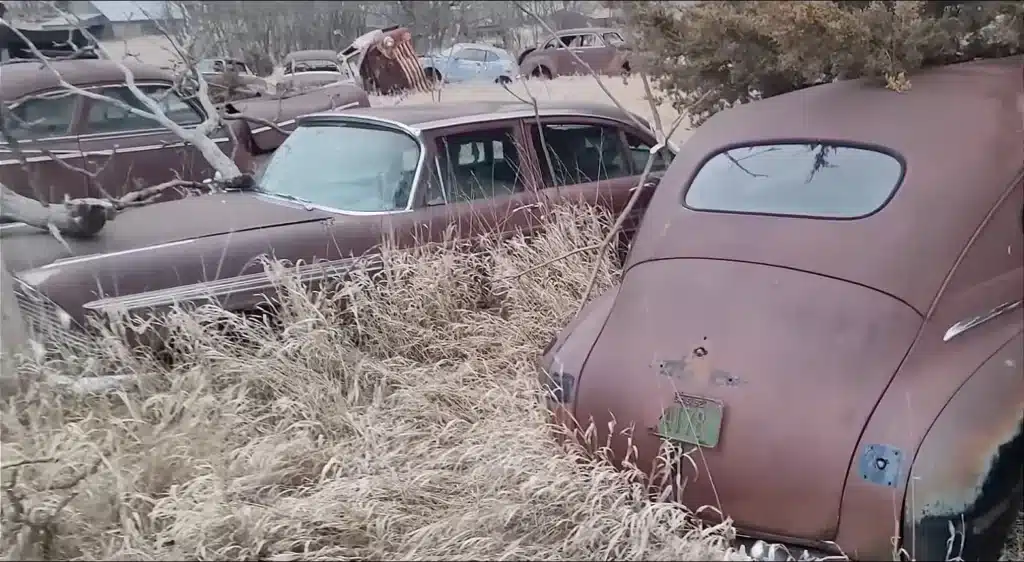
(385,62)
(823,308)
(601,49)
(341,185)
(75,146)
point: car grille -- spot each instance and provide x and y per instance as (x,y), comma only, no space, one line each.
(47,323)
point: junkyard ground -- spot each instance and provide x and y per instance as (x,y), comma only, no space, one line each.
(407,429)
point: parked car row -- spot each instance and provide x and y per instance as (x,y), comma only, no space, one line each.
(59,132)
(823,300)
(570,51)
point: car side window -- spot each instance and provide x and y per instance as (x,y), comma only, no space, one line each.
(640,151)
(475,55)
(590,40)
(561,42)
(110,118)
(580,154)
(42,117)
(490,56)
(613,39)
(480,164)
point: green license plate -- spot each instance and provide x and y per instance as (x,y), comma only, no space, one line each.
(693,419)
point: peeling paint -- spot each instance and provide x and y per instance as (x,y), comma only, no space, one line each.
(683,369)
(940,495)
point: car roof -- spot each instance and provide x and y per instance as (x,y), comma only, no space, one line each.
(26,78)
(958,131)
(579,30)
(432,116)
(482,46)
(312,54)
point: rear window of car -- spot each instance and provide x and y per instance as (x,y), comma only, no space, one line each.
(796,179)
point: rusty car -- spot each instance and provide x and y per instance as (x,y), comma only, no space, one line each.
(822,309)
(602,49)
(340,185)
(230,79)
(60,133)
(385,62)
(301,70)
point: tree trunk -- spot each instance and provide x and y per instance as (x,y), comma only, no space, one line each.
(13,334)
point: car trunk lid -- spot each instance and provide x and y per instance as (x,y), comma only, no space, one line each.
(791,364)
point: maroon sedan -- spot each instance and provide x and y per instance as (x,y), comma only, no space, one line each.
(339,186)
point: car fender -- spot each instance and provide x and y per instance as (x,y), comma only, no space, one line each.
(563,359)
(535,60)
(934,371)
(966,475)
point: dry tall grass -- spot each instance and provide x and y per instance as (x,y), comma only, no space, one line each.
(405,426)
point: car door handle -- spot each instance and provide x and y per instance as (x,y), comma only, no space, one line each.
(578,51)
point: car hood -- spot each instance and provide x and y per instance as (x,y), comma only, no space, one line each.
(26,247)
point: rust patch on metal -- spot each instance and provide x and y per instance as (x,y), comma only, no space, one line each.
(952,486)
(697,366)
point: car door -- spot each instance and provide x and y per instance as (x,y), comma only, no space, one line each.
(468,64)
(595,161)
(44,126)
(479,182)
(563,60)
(594,52)
(128,151)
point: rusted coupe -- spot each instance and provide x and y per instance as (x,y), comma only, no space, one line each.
(341,183)
(603,50)
(302,70)
(385,62)
(823,307)
(60,133)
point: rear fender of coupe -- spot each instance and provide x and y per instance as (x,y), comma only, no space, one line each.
(954,409)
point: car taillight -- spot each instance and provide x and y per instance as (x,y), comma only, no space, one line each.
(558,387)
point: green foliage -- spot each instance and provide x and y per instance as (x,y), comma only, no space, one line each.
(707,56)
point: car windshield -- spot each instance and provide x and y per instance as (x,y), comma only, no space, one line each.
(347,166)
(316,66)
(797,179)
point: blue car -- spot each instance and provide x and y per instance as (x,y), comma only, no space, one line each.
(464,62)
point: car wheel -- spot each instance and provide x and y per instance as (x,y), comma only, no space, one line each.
(433,76)
(542,72)
(503,80)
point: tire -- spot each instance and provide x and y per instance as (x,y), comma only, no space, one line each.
(541,72)
(503,80)
(433,76)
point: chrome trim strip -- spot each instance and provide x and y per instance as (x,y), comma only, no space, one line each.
(357,118)
(107,152)
(225,287)
(519,113)
(82,259)
(975,321)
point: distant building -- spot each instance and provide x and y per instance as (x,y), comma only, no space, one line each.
(115,19)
